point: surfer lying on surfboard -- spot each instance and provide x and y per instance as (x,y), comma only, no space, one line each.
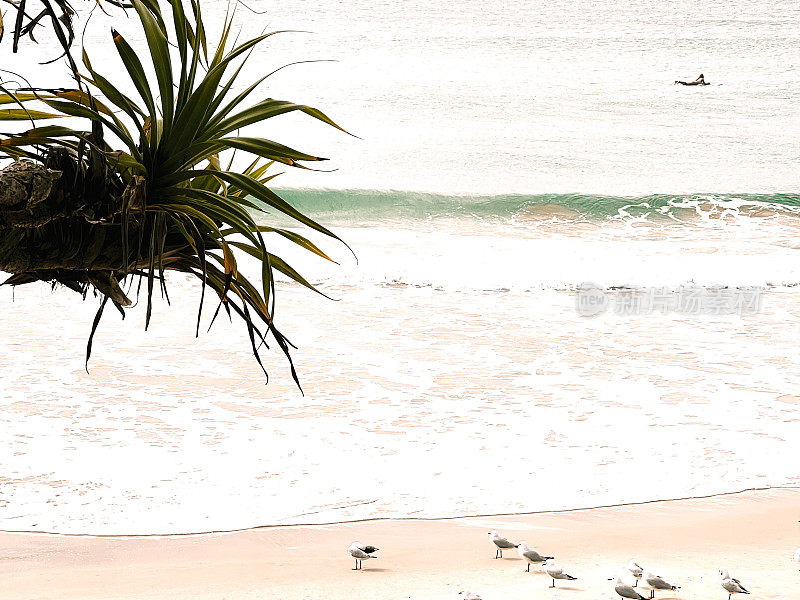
(699,81)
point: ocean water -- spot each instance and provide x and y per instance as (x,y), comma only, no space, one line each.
(509,154)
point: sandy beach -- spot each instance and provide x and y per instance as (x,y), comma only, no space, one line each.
(752,533)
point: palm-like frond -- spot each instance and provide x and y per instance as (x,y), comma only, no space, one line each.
(166,200)
(24,17)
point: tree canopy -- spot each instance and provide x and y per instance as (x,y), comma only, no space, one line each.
(148,184)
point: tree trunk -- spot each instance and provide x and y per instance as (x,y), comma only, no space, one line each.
(54,227)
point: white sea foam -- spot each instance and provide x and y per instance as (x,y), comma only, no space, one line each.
(172,434)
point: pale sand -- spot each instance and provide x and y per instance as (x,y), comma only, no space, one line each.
(685,541)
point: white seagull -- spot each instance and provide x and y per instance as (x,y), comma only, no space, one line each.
(626,590)
(556,572)
(657,583)
(636,570)
(361,552)
(501,543)
(532,556)
(731,585)
(467,595)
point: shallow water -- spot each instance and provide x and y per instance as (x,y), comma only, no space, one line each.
(453,376)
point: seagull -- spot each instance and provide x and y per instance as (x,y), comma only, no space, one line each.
(731,585)
(625,590)
(360,551)
(501,543)
(532,556)
(556,572)
(636,570)
(467,595)
(657,583)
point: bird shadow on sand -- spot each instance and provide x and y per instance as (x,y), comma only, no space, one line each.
(569,589)
(373,570)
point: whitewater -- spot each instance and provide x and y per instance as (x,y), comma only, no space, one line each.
(507,155)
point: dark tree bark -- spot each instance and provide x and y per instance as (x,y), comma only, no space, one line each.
(24,188)
(54,229)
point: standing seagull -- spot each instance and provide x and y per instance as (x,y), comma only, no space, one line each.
(501,543)
(657,583)
(731,585)
(626,590)
(636,570)
(532,556)
(556,572)
(360,552)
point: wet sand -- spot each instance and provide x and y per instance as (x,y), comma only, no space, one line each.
(752,533)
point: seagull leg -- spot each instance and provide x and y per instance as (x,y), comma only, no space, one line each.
(529,568)
(496,553)
(554,585)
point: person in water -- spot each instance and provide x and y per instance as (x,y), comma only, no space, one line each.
(699,81)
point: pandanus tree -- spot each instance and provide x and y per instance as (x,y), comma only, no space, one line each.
(140,189)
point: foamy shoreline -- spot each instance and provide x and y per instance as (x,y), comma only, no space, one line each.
(393,518)
(752,533)
(169,433)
